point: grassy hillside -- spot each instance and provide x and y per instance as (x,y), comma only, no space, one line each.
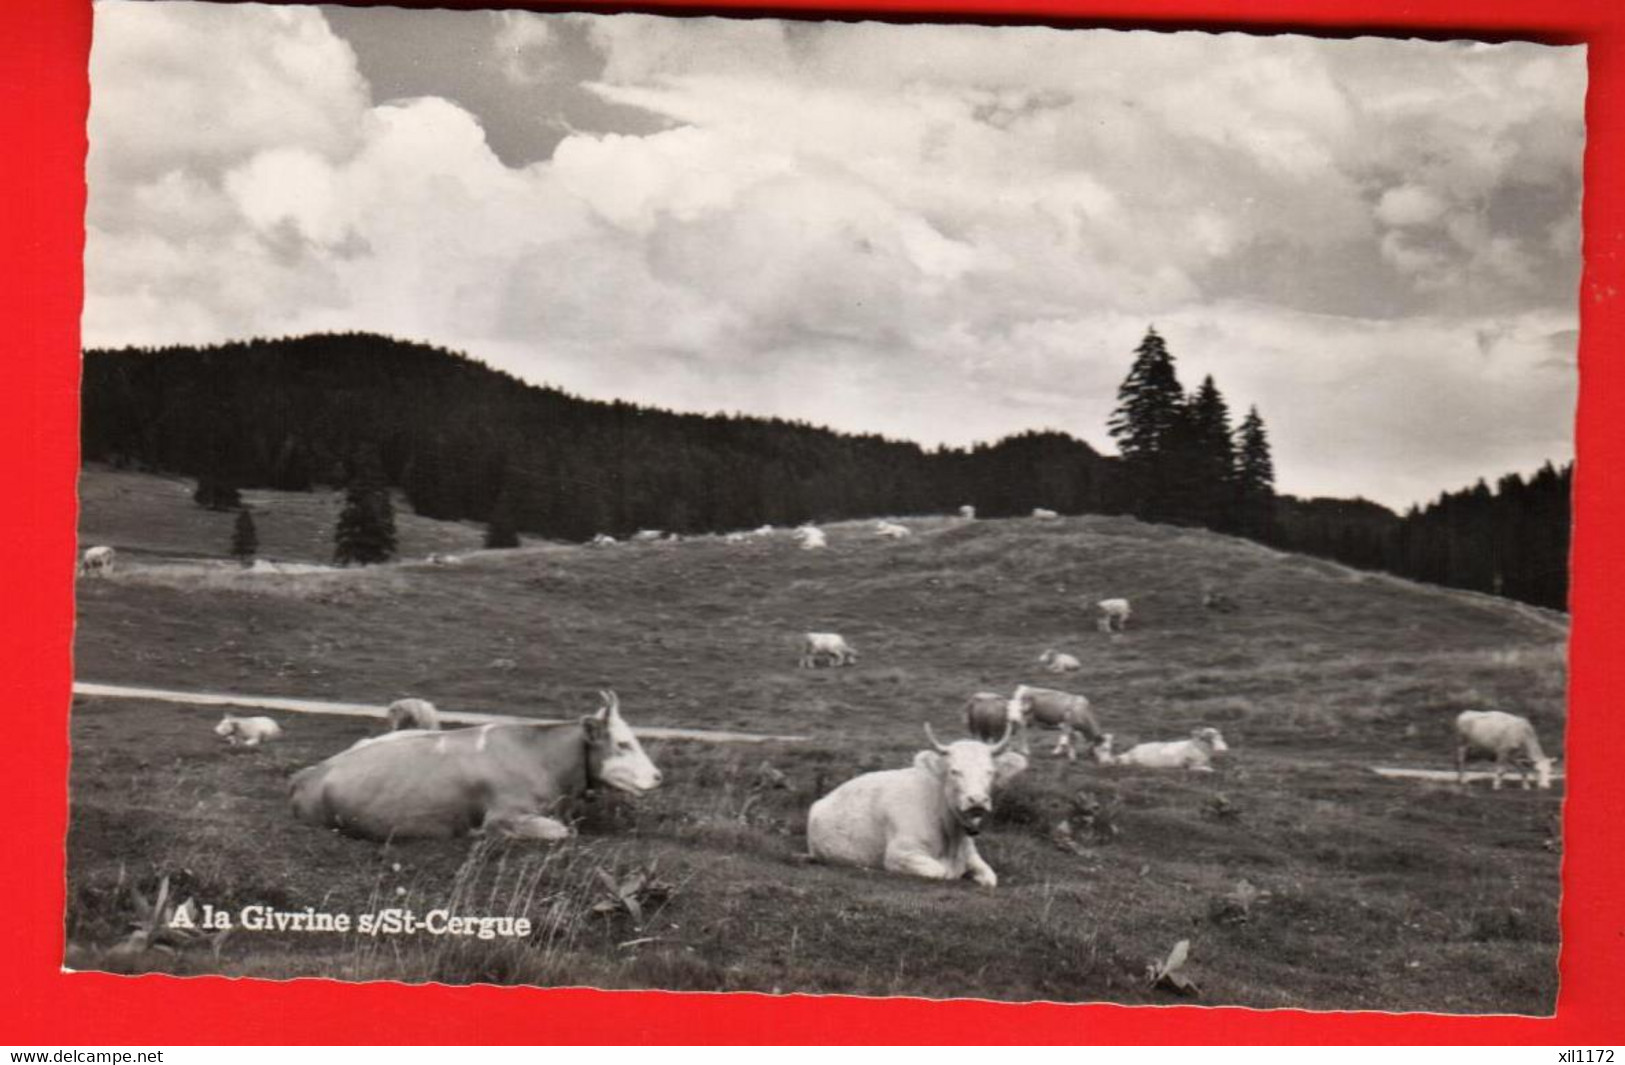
(1383,894)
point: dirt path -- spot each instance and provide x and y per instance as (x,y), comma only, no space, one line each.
(1397,772)
(458,717)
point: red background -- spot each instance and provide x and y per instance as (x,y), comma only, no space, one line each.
(42,122)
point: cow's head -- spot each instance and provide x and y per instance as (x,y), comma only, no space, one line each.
(227,726)
(1211,737)
(614,755)
(1103,749)
(969,771)
(1543,771)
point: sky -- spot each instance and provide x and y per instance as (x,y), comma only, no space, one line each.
(943,233)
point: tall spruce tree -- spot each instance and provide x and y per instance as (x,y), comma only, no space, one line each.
(1147,426)
(245,539)
(1212,459)
(366,529)
(1254,479)
(502,530)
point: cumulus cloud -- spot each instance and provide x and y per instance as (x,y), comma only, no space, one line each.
(939,232)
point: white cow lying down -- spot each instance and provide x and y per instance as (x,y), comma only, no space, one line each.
(247,731)
(516,780)
(1195,753)
(1506,738)
(918,821)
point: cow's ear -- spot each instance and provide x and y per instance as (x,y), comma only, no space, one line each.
(930,761)
(1008,765)
(593,726)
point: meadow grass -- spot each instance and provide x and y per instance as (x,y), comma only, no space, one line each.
(1372,893)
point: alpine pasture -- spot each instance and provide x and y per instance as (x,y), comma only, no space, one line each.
(1299,877)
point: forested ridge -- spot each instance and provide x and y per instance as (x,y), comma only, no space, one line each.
(465,442)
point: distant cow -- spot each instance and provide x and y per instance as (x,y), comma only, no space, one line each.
(1057,662)
(735,537)
(918,821)
(1048,708)
(967,511)
(413,714)
(892,531)
(829,648)
(604,540)
(647,536)
(1114,614)
(811,537)
(511,779)
(987,716)
(97,561)
(1044,513)
(247,731)
(1195,753)
(1506,738)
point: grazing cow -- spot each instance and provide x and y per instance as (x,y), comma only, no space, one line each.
(1049,708)
(811,537)
(1057,662)
(647,536)
(828,647)
(1195,753)
(891,530)
(247,731)
(97,561)
(987,716)
(918,821)
(509,779)
(413,714)
(967,511)
(735,538)
(1506,738)
(1114,614)
(1044,513)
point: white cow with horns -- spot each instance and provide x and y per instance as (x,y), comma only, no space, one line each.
(1506,738)
(515,780)
(920,821)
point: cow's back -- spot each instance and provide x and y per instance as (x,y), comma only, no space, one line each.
(853,824)
(431,785)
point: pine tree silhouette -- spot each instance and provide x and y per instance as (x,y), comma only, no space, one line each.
(366,528)
(245,539)
(1147,426)
(1255,479)
(1212,459)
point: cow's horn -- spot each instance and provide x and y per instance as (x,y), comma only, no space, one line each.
(612,703)
(998,748)
(932,736)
